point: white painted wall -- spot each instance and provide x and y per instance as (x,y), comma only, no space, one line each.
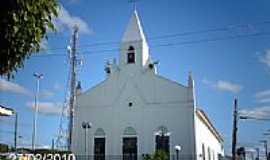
(156,102)
(206,137)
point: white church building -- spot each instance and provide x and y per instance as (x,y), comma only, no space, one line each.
(135,111)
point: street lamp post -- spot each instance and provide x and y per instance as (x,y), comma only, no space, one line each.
(235,128)
(267,134)
(177,150)
(258,153)
(265,147)
(86,126)
(38,78)
(15,131)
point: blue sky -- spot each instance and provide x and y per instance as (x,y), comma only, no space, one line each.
(231,62)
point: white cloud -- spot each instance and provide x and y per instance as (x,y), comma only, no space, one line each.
(47,108)
(44,44)
(228,86)
(57,86)
(46,93)
(250,149)
(264,100)
(222,85)
(43,146)
(258,112)
(66,21)
(263,96)
(7,86)
(74,1)
(265,58)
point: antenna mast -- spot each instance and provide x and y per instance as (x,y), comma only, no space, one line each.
(73,63)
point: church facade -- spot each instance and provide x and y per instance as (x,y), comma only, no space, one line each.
(135,111)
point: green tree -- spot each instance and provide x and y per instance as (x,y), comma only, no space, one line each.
(23,25)
(158,155)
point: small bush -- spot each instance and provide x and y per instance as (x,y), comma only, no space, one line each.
(158,155)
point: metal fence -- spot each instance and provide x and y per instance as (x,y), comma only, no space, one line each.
(130,157)
(103,157)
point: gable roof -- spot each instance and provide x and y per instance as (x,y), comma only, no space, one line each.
(112,89)
(203,117)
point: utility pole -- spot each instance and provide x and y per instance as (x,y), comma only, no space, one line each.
(266,152)
(38,78)
(234,131)
(15,131)
(73,62)
(52,145)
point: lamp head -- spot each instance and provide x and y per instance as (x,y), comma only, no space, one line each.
(177,148)
(69,48)
(243,117)
(38,75)
(86,125)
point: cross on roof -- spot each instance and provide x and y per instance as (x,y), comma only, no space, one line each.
(134,2)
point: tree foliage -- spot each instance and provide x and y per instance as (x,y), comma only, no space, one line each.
(23,25)
(158,155)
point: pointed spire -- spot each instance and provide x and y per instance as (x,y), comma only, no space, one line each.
(135,38)
(134,31)
(191,87)
(190,80)
(78,88)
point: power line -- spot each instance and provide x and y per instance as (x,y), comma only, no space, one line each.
(204,40)
(188,33)
(213,39)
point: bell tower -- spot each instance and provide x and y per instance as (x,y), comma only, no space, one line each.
(134,48)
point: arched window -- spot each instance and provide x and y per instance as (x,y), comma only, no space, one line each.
(130,149)
(131,48)
(163,139)
(162,130)
(131,55)
(99,149)
(99,133)
(130,131)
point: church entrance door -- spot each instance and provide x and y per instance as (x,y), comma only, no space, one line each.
(99,149)
(130,148)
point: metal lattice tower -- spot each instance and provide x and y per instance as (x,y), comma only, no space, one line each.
(61,141)
(64,137)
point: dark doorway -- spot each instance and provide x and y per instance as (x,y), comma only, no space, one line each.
(131,58)
(99,149)
(131,55)
(163,143)
(130,148)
